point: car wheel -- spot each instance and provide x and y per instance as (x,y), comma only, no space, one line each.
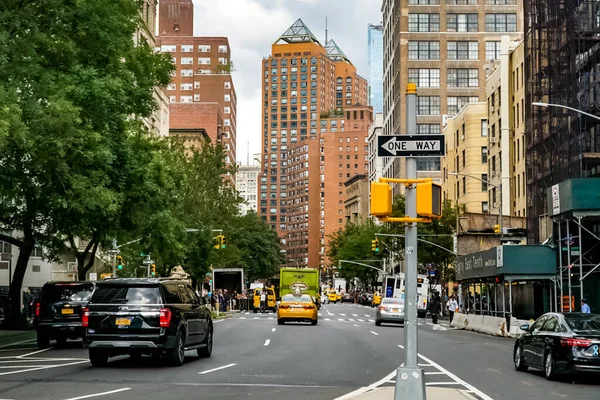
(176,355)
(378,322)
(314,321)
(43,341)
(518,358)
(280,321)
(206,352)
(549,366)
(61,341)
(98,358)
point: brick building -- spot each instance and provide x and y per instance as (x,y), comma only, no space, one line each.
(201,93)
(310,92)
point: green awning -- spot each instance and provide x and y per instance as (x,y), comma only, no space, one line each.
(524,262)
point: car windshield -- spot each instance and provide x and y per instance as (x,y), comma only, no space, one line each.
(392,301)
(584,324)
(66,292)
(117,294)
(290,298)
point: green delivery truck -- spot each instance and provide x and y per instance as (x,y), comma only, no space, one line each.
(305,280)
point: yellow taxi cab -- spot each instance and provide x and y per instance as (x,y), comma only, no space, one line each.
(332,296)
(376,299)
(297,307)
(339,296)
(271,300)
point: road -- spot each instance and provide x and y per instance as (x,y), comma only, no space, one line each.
(255,358)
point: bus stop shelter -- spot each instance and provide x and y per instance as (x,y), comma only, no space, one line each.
(500,268)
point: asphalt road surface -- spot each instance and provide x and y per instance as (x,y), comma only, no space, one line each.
(255,358)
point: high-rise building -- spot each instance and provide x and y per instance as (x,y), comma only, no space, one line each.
(418,34)
(312,94)
(375,38)
(201,94)
(246,183)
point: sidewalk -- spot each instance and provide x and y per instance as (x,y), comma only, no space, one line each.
(433,393)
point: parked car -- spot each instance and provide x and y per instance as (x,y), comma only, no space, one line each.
(365,299)
(560,344)
(347,298)
(59,311)
(391,310)
(151,316)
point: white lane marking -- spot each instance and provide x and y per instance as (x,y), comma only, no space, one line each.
(372,386)
(343,315)
(351,319)
(270,318)
(256,318)
(434,373)
(25,366)
(208,371)
(442,383)
(452,376)
(368,316)
(341,319)
(242,317)
(360,320)
(327,319)
(267,342)
(12,344)
(375,333)
(355,315)
(320,315)
(99,394)
(371,320)
(48,367)
(273,330)
(356,325)
(34,352)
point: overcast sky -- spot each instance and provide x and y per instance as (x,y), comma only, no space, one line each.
(253,25)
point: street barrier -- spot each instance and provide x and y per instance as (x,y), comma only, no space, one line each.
(459,321)
(515,329)
(493,326)
(474,323)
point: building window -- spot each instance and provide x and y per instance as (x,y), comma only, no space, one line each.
(484,181)
(186,99)
(187,72)
(501,22)
(196,85)
(187,48)
(227,110)
(172,99)
(223,48)
(225,61)
(196,97)
(492,50)
(171,86)
(186,86)
(501,2)
(461,2)
(464,158)
(423,2)
(424,77)
(187,60)
(204,48)
(35,268)
(423,50)
(463,50)
(203,60)
(428,105)
(227,85)
(168,48)
(428,129)
(484,127)
(37,252)
(485,208)
(463,77)
(227,97)
(455,103)
(462,22)
(484,154)
(423,22)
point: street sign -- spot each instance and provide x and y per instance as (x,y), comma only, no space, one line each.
(410,145)
(93,276)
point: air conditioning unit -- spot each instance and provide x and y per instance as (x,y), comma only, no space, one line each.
(493,139)
(71,266)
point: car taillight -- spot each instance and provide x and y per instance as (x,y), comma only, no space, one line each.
(37,309)
(284,306)
(85,318)
(383,308)
(310,307)
(165,317)
(575,342)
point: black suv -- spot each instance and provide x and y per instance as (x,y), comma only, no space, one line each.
(59,311)
(156,316)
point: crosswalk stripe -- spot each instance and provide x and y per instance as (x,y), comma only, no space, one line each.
(270,318)
(355,315)
(340,319)
(343,315)
(371,320)
(367,315)
(256,318)
(361,320)
(351,319)
(327,319)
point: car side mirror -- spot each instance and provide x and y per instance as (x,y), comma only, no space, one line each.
(524,327)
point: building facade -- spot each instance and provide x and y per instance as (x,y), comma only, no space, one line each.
(467,155)
(201,93)
(375,46)
(356,202)
(506,131)
(246,183)
(461,33)
(306,86)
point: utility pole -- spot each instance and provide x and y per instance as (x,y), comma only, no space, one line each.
(409,378)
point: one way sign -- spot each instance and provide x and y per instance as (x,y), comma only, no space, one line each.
(411,145)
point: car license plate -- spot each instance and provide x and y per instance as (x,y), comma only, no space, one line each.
(67,311)
(297,306)
(394,310)
(123,321)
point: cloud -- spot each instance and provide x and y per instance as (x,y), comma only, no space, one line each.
(253,25)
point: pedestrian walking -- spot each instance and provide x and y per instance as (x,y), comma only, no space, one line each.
(263,301)
(584,307)
(27,303)
(435,307)
(452,305)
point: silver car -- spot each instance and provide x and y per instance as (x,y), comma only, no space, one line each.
(390,310)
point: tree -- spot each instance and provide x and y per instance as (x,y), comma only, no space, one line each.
(73,89)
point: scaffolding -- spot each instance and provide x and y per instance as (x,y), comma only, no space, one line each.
(562,66)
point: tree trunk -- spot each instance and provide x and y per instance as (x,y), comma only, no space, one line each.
(83,270)
(14,319)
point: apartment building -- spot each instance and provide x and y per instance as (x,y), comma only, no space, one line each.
(506,120)
(467,156)
(356,203)
(201,93)
(307,90)
(375,50)
(442,46)
(246,183)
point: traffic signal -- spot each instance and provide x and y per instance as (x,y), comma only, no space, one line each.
(222,241)
(496,228)
(153,270)
(119,262)
(217,242)
(429,200)
(381,199)
(375,245)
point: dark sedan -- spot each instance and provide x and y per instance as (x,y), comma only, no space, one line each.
(560,344)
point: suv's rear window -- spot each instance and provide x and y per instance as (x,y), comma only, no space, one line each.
(66,292)
(118,294)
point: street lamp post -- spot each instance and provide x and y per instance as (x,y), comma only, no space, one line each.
(499,187)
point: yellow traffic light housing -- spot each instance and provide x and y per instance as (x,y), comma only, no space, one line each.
(217,242)
(381,199)
(429,200)
(375,245)
(153,269)
(223,243)
(120,262)
(496,228)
